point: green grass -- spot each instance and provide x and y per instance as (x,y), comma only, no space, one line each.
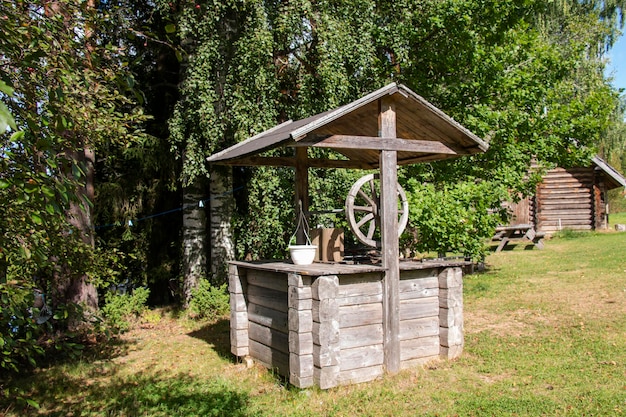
(545,335)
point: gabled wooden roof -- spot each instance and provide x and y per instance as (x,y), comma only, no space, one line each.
(613,178)
(424,133)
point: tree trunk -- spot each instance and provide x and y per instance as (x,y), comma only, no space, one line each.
(221,208)
(76,288)
(194,261)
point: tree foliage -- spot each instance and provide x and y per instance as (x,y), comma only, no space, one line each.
(66,92)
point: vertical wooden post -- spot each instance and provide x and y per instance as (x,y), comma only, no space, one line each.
(302,188)
(389,237)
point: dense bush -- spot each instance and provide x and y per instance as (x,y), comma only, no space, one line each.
(209,302)
(120,309)
(457,218)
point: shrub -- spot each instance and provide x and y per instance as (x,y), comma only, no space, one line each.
(208,302)
(19,332)
(120,309)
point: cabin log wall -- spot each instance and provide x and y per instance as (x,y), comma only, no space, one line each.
(566,199)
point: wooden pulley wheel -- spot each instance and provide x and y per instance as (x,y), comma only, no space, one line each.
(363,205)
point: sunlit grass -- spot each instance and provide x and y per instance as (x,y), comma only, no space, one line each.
(545,335)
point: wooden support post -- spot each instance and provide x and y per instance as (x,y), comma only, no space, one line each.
(239,342)
(302,189)
(451,337)
(389,237)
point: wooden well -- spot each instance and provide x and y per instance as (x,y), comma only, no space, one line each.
(333,323)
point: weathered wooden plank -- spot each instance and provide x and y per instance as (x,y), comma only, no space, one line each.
(365,298)
(326,377)
(300,298)
(360,315)
(267,279)
(269,337)
(239,320)
(360,375)
(420,275)
(544,191)
(563,211)
(301,367)
(377,143)
(451,278)
(301,343)
(326,333)
(325,287)
(414,363)
(451,336)
(353,337)
(239,342)
(451,352)
(419,307)
(419,348)
(556,228)
(326,355)
(268,317)
(451,297)
(449,317)
(577,204)
(361,357)
(389,234)
(236,279)
(299,281)
(324,310)
(276,300)
(300,320)
(566,220)
(270,358)
(238,302)
(362,289)
(416,328)
(419,293)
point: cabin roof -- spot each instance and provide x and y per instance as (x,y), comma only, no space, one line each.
(613,177)
(424,133)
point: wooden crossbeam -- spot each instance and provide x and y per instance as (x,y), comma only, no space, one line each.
(379,143)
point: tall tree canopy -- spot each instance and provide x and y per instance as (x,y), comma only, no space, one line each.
(525,75)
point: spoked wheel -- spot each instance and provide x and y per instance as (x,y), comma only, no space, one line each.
(362,209)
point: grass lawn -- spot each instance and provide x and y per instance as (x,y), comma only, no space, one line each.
(545,335)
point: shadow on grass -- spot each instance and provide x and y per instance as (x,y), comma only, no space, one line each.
(154,394)
(216,334)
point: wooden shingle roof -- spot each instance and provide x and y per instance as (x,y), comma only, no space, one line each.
(423,133)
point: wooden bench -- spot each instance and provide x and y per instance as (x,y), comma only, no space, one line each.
(517,232)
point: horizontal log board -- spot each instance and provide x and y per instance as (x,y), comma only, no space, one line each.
(361,357)
(565,218)
(561,211)
(419,348)
(553,228)
(267,279)
(360,315)
(547,188)
(578,204)
(361,336)
(360,289)
(412,329)
(276,300)
(357,376)
(270,358)
(268,317)
(564,221)
(269,337)
(321,269)
(551,176)
(427,287)
(419,308)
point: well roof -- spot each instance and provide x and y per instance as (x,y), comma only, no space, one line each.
(424,133)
